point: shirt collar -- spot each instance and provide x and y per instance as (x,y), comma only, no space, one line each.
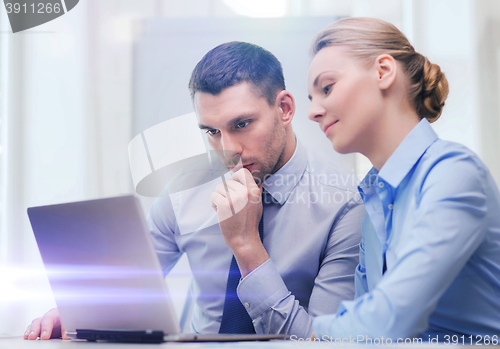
(281,184)
(405,156)
(369,179)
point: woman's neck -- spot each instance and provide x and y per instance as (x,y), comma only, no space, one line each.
(393,128)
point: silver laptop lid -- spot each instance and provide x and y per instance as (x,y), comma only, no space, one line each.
(102,266)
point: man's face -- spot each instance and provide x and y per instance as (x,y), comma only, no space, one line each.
(240,122)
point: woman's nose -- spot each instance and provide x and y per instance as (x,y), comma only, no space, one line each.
(316,112)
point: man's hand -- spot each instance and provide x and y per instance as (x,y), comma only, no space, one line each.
(241,230)
(46,327)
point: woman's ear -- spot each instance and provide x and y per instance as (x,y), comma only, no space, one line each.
(286,104)
(386,70)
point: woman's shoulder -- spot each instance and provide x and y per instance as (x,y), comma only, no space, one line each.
(451,155)
(447,169)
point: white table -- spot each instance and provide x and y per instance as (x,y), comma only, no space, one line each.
(20,343)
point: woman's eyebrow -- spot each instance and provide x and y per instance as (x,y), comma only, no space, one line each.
(316,81)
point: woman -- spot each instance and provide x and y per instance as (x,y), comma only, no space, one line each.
(430,253)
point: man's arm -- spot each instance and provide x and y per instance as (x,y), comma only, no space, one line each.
(239,209)
(275,310)
(161,223)
(360,282)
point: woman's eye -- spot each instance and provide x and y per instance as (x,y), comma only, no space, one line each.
(212,132)
(242,124)
(327,88)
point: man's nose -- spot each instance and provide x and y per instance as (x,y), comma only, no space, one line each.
(231,145)
(316,111)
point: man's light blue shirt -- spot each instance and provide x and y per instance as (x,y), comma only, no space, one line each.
(312,229)
(433,211)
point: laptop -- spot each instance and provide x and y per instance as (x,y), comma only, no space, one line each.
(105,275)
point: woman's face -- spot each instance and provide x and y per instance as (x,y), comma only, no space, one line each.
(345,97)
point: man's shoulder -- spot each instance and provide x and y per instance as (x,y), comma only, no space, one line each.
(330,173)
(161,212)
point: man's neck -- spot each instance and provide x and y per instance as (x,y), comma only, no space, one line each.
(290,145)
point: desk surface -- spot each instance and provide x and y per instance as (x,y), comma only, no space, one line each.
(20,343)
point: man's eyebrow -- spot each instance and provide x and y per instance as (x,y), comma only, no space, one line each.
(231,122)
(203,127)
(240,118)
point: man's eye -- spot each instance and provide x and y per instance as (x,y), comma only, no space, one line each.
(327,88)
(212,132)
(242,124)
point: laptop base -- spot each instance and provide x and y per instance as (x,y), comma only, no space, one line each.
(147,336)
(150,336)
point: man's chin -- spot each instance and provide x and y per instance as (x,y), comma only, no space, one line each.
(258,176)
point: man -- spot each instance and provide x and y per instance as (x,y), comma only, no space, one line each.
(295,251)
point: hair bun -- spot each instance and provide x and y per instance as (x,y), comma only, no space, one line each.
(434,92)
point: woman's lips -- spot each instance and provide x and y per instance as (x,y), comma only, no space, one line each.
(329,127)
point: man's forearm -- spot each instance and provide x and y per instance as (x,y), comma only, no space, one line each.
(270,304)
(250,256)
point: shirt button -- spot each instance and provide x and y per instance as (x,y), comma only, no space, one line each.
(247,305)
(391,206)
(381,184)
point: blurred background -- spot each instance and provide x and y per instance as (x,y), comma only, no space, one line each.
(76,90)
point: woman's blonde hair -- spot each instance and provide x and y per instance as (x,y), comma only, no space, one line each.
(368,38)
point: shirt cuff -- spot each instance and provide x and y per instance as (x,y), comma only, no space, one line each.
(262,289)
(322,324)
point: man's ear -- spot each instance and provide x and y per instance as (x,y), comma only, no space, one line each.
(386,70)
(286,104)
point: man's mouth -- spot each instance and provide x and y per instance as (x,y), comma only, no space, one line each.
(236,168)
